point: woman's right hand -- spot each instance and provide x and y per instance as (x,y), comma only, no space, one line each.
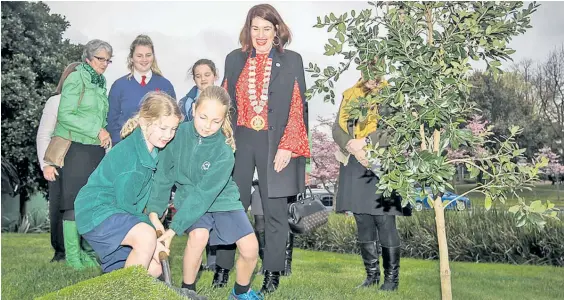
(104,136)
(361,157)
(50,173)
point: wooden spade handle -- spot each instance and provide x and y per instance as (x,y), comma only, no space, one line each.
(162,254)
(163,257)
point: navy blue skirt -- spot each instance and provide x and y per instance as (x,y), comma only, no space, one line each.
(225,227)
(106,240)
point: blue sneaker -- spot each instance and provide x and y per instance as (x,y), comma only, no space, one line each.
(250,295)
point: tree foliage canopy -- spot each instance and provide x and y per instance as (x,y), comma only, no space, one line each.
(34,55)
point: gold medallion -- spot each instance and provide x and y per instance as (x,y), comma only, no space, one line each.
(257,123)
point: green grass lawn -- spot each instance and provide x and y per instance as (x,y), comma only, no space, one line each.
(541,192)
(27,273)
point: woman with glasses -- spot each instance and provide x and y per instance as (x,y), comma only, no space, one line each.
(126,92)
(50,173)
(81,119)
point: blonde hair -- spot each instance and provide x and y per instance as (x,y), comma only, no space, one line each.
(142,40)
(220,94)
(154,105)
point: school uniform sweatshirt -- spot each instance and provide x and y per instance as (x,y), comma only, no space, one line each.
(120,184)
(201,169)
(125,99)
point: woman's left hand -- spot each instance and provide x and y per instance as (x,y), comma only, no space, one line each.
(282,159)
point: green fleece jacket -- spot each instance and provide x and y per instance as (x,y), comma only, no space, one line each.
(82,123)
(121,183)
(200,167)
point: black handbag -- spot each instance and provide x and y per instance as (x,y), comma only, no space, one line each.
(307,214)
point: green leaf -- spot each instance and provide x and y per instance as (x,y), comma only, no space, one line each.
(341,37)
(449,80)
(488,202)
(332,16)
(521,221)
(341,27)
(489,30)
(537,206)
(333,42)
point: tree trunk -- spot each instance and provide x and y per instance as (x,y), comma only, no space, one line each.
(446,292)
(439,211)
(336,190)
(558,188)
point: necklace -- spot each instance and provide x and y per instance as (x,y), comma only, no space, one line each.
(258,102)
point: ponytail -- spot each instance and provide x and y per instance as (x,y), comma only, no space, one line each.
(228,131)
(129,126)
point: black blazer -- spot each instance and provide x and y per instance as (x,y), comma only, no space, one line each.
(287,68)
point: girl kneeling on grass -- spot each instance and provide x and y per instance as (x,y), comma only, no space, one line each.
(109,208)
(200,161)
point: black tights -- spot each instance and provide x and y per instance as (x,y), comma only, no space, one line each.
(374,228)
(259,223)
(68,215)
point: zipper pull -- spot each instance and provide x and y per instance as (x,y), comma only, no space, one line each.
(200,140)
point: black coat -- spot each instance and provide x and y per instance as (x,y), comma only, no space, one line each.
(287,68)
(357,184)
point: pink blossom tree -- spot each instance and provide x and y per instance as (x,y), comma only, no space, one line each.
(325,166)
(478,127)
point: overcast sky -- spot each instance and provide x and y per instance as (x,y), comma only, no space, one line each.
(184,32)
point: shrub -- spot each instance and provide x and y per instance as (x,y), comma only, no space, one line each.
(129,283)
(476,236)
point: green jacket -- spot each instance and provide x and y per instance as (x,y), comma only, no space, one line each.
(121,183)
(81,124)
(200,167)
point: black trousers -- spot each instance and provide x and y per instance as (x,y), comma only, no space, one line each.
(381,227)
(252,151)
(56,215)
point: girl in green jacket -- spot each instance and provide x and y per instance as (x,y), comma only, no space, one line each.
(199,161)
(109,208)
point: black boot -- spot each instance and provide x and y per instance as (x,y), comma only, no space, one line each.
(369,254)
(289,250)
(391,262)
(270,283)
(220,277)
(59,256)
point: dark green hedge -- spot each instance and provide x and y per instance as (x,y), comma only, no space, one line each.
(476,236)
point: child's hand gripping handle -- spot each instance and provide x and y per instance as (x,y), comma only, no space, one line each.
(163,257)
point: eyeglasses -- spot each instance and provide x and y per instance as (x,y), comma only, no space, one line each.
(103,59)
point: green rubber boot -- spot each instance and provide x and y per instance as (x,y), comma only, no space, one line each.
(87,255)
(72,245)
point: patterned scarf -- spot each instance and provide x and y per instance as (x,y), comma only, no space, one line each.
(96,79)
